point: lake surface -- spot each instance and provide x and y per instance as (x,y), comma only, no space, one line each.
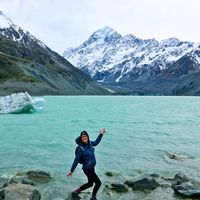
(140,130)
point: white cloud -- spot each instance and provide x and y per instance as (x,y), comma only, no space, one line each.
(64,23)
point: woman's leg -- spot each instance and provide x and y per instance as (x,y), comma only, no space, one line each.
(92,177)
(89,173)
(97,184)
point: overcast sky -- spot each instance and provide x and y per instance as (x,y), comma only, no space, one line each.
(61,24)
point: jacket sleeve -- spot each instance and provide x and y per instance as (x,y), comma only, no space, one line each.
(76,159)
(96,142)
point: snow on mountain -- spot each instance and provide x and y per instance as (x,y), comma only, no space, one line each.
(111,58)
(10,30)
(26,64)
(4,21)
(103,36)
(170,42)
(195,55)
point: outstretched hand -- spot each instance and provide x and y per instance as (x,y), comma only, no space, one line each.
(102,131)
(69,174)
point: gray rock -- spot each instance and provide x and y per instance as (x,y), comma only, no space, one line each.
(119,187)
(179,178)
(187,189)
(110,173)
(144,183)
(38,175)
(185,186)
(21,192)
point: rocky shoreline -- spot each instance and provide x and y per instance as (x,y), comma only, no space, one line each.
(23,188)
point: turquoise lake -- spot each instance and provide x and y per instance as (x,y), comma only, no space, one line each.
(140,131)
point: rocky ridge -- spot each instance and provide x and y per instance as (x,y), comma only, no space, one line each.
(129,64)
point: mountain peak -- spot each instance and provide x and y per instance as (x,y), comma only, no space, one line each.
(106,30)
(105,34)
(142,65)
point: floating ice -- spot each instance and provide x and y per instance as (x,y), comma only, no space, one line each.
(20,103)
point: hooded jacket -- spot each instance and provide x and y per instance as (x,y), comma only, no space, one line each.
(88,153)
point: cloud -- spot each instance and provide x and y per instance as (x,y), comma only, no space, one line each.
(64,23)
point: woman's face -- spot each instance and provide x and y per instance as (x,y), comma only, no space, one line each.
(84,139)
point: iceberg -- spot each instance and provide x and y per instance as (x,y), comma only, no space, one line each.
(20,103)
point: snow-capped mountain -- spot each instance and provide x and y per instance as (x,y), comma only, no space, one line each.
(126,61)
(27,64)
(14,32)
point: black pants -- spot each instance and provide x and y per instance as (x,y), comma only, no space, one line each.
(92,178)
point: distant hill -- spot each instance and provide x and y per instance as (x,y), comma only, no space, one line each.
(130,65)
(27,64)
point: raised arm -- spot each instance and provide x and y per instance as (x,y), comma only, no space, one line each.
(96,142)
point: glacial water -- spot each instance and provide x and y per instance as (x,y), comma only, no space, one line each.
(139,132)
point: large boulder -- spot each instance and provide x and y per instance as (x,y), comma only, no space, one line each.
(21,192)
(185,186)
(188,189)
(144,183)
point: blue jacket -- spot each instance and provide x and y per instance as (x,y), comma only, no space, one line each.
(89,156)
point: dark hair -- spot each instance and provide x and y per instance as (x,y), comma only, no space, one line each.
(84,133)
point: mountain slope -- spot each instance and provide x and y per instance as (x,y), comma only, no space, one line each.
(132,65)
(26,64)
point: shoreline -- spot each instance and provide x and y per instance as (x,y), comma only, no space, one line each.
(177,187)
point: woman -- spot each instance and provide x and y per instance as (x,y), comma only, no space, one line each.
(85,152)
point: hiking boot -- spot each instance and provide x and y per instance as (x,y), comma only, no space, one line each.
(74,196)
(93,198)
